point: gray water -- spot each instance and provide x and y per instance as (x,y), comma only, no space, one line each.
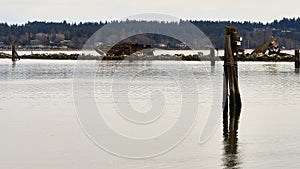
(40,127)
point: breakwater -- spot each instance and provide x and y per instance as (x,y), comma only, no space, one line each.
(76,56)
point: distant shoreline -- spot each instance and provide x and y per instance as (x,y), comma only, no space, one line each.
(63,56)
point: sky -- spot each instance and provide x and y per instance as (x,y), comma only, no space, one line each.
(22,11)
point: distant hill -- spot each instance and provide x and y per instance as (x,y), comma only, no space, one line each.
(74,35)
(286,31)
(48,33)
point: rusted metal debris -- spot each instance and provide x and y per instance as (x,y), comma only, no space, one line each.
(271,46)
(121,49)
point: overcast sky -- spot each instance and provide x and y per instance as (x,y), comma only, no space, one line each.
(21,11)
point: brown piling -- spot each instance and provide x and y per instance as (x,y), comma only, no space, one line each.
(130,50)
(212,57)
(225,102)
(231,79)
(130,57)
(14,55)
(297,60)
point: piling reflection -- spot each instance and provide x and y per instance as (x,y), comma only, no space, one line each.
(13,65)
(231,155)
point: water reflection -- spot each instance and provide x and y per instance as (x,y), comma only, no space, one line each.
(13,65)
(231,155)
(271,68)
(212,69)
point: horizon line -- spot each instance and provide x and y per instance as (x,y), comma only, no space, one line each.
(112,20)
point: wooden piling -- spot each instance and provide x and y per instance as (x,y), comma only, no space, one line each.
(225,93)
(130,57)
(130,50)
(231,79)
(225,101)
(297,60)
(14,55)
(212,57)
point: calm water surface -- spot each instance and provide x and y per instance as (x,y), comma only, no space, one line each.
(39,126)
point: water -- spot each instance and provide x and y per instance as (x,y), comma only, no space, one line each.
(40,129)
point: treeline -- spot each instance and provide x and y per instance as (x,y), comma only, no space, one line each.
(287,32)
(47,33)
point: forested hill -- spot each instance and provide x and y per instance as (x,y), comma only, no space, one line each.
(47,33)
(287,32)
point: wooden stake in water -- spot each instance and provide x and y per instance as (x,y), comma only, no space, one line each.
(130,57)
(297,60)
(212,57)
(225,100)
(231,79)
(14,55)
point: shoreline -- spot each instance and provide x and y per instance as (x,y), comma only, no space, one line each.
(178,57)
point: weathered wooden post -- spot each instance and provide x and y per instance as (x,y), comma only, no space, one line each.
(14,54)
(212,57)
(130,49)
(225,100)
(297,60)
(130,57)
(231,79)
